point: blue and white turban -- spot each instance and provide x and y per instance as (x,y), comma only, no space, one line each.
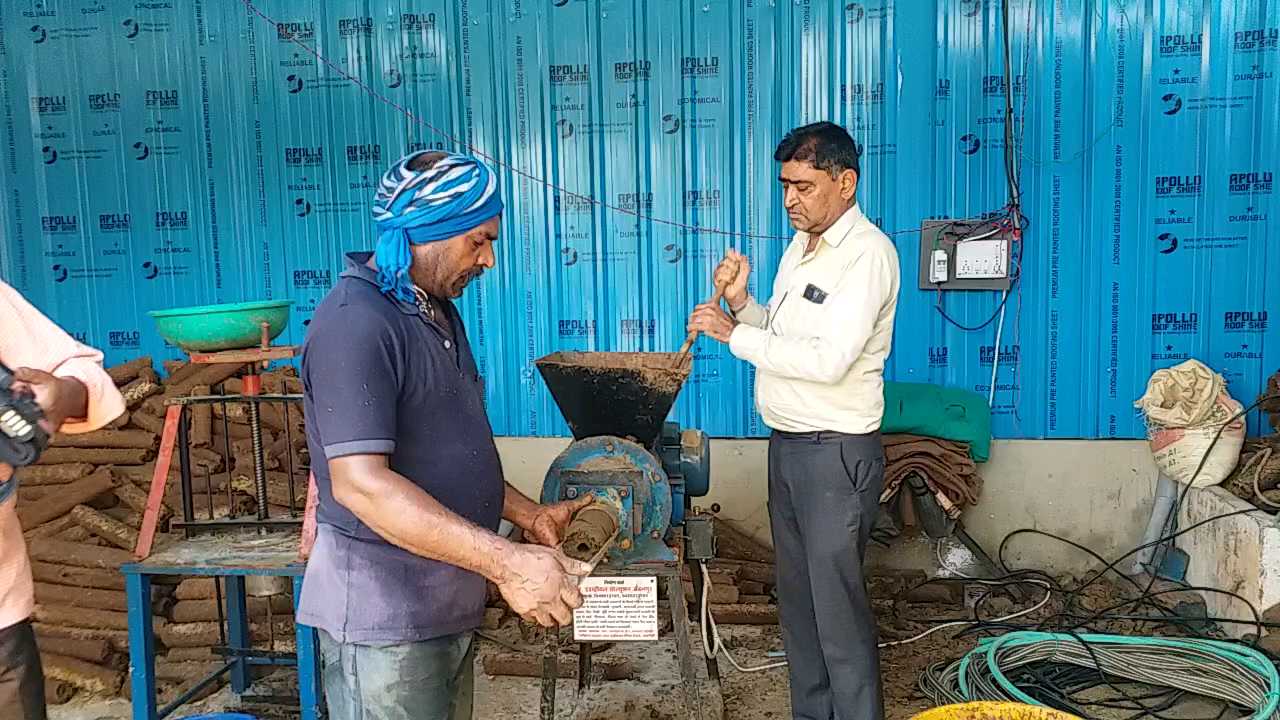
(453,196)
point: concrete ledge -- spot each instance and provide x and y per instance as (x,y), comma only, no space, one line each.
(1240,553)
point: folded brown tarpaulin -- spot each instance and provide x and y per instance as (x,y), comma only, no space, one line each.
(945,465)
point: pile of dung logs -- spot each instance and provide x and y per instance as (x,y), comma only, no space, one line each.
(81,508)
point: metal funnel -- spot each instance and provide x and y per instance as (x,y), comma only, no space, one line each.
(625,394)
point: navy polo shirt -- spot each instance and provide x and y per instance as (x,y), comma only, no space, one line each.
(381,379)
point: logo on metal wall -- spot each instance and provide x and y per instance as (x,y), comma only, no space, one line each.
(854,12)
(172,220)
(672,253)
(639,327)
(150,270)
(60,224)
(1168,243)
(700,66)
(38,37)
(141,151)
(301,207)
(161,99)
(702,199)
(565,128)
(994,85)
(576,328)
(1179,185)
(49,105)
(132,28)
(570,256)
(1009,354)
(1175,323)
(364,154)
(569,74)
(670,124)
(124,339)
(1170,103)
(633,71)
(351,27)
(1256,40)
(970,143)
(417,23)
(1252,182)
(300,30)
(312,279)
(104,102)
(419,146)
(294,84)
(115,222)
(863,93)
(972,8)
(570,204)
(300,156)
(1251,214)
(636,201)
(1255,73)
(60,273)
(1181,44)
(939,356)
(393,78)
(1244,321)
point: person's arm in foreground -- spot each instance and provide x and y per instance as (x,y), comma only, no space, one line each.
(539,583)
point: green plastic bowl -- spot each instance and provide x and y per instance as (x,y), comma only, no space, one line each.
(231,326)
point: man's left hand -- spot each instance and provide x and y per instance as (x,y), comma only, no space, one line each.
(548,522)
(712,321)
(59,397)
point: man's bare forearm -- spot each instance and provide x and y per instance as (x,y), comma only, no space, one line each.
(517,508)
(407,516)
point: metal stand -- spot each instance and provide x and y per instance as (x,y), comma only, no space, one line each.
(229,559)
(673,587)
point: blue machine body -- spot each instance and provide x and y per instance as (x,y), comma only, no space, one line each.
(648,487)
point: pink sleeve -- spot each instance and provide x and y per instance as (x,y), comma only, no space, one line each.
(29,339)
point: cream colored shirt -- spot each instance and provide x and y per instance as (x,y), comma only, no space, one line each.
(29,339)
(821,343)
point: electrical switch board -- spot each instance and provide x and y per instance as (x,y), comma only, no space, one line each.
(965,255)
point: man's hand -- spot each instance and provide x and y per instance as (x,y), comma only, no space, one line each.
(733,272)
(548,522)
(59,397)
(541,584)
(712,321)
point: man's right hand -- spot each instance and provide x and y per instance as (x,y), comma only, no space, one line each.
(541,584)
(733,272)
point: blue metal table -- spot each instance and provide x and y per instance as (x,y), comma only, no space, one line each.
(231,557)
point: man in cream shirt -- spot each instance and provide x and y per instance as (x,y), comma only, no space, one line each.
(819,347)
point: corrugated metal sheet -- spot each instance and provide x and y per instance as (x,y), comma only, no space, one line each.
(186,151)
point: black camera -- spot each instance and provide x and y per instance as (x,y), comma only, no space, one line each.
(21,437)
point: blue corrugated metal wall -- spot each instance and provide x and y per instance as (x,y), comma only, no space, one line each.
(164,153)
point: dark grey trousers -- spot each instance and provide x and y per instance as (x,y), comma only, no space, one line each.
(21,677)
(824,493)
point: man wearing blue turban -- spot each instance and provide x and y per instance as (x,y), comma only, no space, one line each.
(410,485)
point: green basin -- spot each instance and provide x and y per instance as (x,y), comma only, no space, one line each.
(231,326)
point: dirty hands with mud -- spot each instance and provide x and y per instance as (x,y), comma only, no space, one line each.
(541,584)
(549,522)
